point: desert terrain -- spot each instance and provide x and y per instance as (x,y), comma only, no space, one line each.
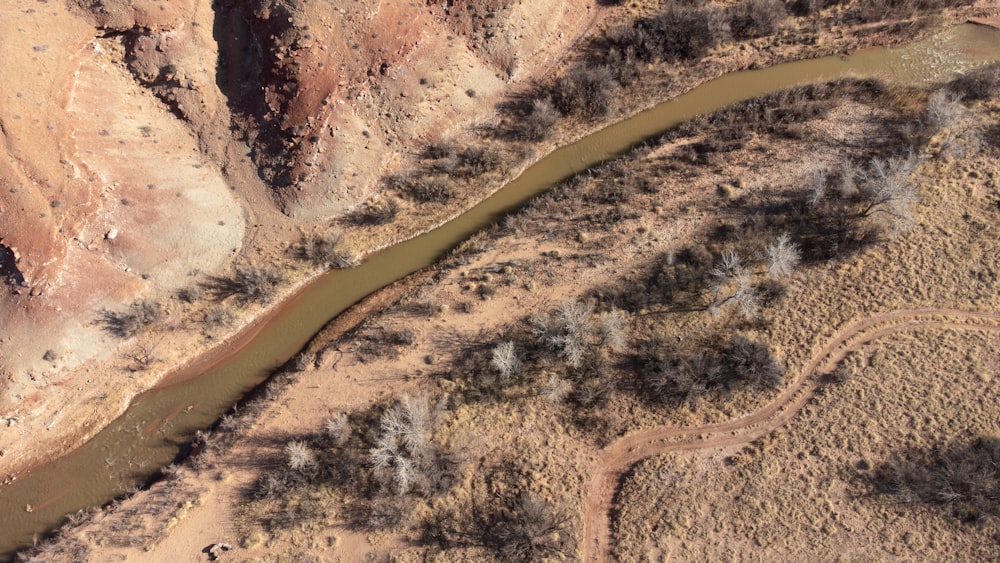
(149,145)
(697,347)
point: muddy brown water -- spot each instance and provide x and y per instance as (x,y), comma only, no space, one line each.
(156,425)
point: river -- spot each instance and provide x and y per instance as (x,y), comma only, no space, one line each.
(157,424)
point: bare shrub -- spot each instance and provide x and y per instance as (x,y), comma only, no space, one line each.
(979,84)
(675,374)
(529,530)
(402,452)
(337,429)
(248,284)
(946,116)
(132,321)
(756,18)
(300,457)
(731,283)
(190,294)
(889,190)
(142,357)
(376,212)
(681,31)
(426,190)
(556,389)
(782,257)
(326,250)
(583,91)
(477,160)
(506,360)
(567,330)
(611,326)
(538,124)
(817,187)
(959,478)
(383,343)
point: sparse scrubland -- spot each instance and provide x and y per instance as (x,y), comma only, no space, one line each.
(708,327)
(527,355)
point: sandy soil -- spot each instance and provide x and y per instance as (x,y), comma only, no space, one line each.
(925,283)
(136,155)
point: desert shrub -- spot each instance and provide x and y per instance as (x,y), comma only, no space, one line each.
(529,529)
(403,457)
(326,249)
(878,10)
(959,478)
(756,18)
(782,256)
(300,457)
(583,91)
(979,84)
(682,31)
(376,212)
(517,526)
(732,284)
(130,322)
(190,294)
(476,161)
(383,343)
(426,190)
(674,374)
(567,330)
(889,190)
(809,7)
(248,284)
(537,124)
(506,360)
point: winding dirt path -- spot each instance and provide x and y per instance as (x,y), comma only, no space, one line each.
(619,456)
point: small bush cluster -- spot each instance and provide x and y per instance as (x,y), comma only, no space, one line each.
(515,525)
(979,84)
(422,189)
(672,374)
(132,321)
(680,32)
(383,343)
(326,250)
(756,18)
(375,212)
(381,461)
(248,284)
(960,479)
(583,91)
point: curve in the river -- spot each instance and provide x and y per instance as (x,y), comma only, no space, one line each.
(150,433)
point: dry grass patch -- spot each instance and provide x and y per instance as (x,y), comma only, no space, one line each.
(813,489)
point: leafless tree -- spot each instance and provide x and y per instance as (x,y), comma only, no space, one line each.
(732,283)
(143,356)
(556,389)
(337,429)
(612,329)
(567,330)
(299,456)
(505,360)
(538,124)
(817,187)
(401,449)
(782,257)
(889,190)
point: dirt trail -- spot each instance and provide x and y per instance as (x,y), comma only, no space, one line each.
(618,457)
